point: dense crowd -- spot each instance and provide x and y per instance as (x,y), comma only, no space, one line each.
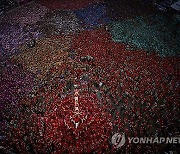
(67,86)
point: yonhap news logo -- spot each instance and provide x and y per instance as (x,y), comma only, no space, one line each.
(119,139)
